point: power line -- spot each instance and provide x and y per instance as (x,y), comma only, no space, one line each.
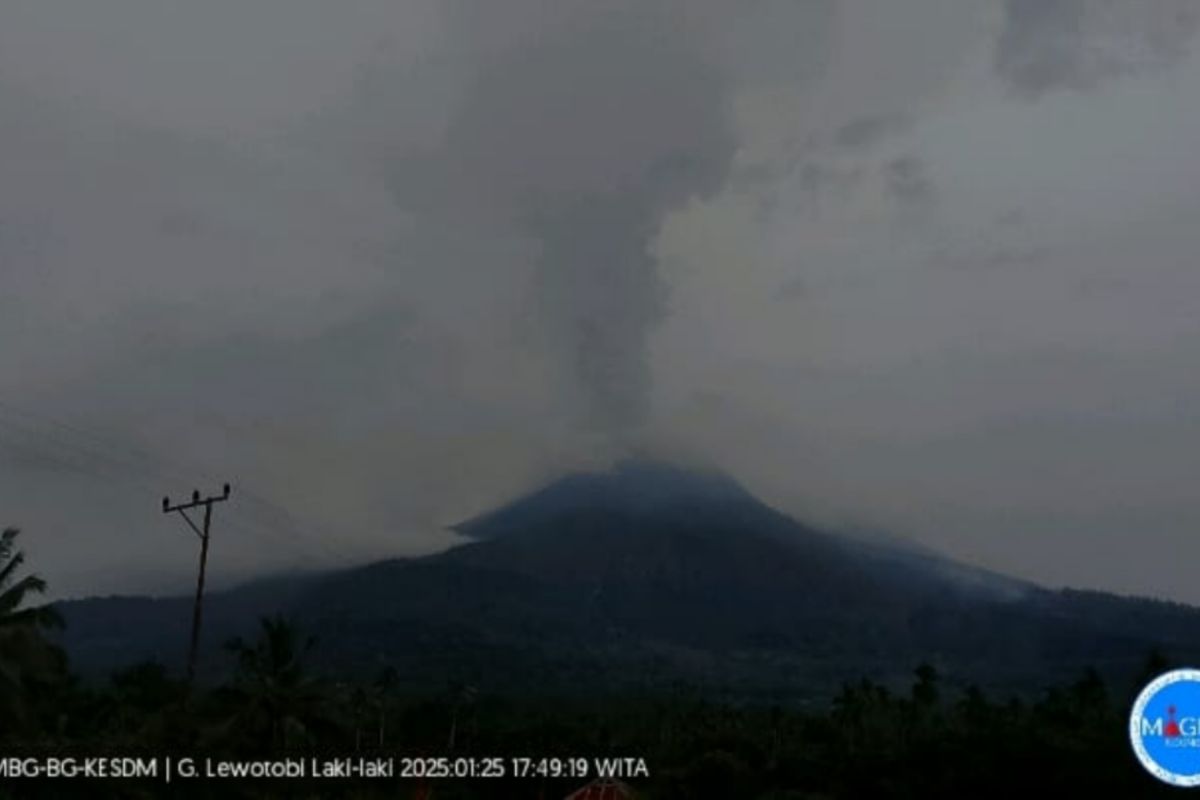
(97,457)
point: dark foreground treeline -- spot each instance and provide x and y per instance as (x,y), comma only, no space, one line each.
(921,742)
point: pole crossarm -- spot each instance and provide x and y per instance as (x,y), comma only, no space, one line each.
(196,501)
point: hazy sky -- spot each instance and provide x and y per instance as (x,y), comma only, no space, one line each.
(925,267)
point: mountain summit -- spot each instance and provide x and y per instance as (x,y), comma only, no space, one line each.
(650,573)
(631,487)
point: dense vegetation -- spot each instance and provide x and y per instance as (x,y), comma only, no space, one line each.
(872,741)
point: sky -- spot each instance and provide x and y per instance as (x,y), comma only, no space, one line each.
(925,269)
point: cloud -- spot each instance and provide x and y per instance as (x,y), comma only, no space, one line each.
(908,181)
(1079,44)
(926,362)
(868,131)
(437,253)
(384,265)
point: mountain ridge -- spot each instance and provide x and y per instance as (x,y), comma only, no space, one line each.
(652,573)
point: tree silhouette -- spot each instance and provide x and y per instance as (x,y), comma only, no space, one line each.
(26,657)
(382,694)
(925,690)
(144,703)
(275,700)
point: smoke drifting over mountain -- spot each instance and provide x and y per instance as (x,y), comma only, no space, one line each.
(583,138)
(919,266)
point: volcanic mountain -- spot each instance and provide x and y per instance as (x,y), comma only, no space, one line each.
(649,574)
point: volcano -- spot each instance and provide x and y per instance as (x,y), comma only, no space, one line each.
(651,574)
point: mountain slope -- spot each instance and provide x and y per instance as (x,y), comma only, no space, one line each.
(648,574)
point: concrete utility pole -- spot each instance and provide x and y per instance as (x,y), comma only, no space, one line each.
(182,509)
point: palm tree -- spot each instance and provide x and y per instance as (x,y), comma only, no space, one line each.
(383,689)
(144,704)
(25,655)
(277,701)
(462,696)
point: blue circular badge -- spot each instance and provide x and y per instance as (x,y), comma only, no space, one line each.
(1164,727)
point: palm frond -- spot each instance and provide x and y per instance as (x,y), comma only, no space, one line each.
(12,597)
(38,616)
(7,541)
(14,560)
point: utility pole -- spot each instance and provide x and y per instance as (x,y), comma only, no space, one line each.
(182,509)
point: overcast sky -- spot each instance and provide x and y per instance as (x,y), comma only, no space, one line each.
(927,268)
